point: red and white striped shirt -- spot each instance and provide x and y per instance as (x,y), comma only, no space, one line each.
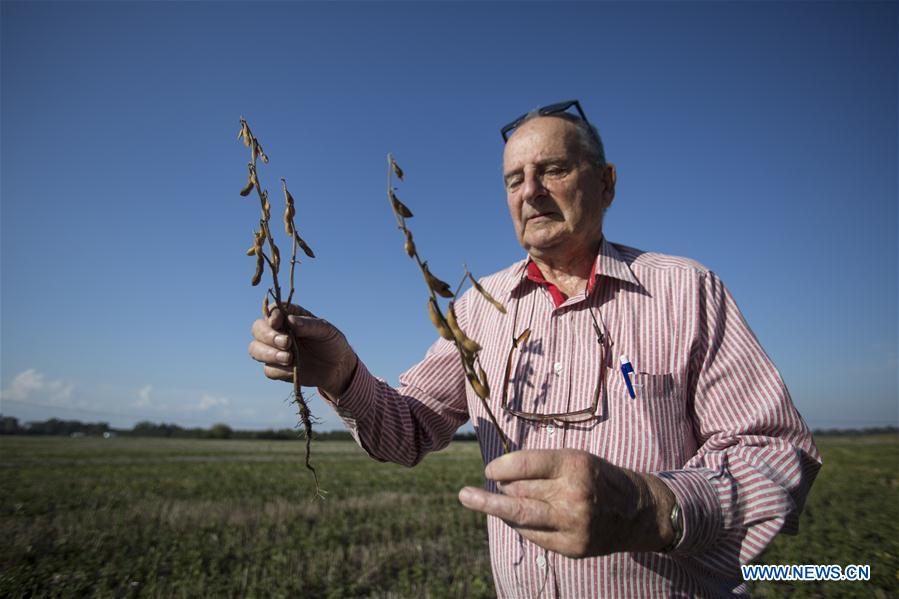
(712,417)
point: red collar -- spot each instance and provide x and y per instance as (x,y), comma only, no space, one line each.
(534,274)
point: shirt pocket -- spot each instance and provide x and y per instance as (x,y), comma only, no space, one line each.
(654,422)
(658,386)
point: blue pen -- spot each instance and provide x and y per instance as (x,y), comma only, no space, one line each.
(626,370)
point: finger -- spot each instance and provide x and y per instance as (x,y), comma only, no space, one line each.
(269,355)
(541,489)
(278,373)
(264,333)
(275,316)
(525,464)
(515,511)
(547,539)
(310,327)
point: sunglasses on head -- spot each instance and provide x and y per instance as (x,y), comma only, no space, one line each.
(547,110)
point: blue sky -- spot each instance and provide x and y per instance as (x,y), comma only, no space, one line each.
(759,138)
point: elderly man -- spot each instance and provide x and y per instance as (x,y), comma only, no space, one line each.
(656,447)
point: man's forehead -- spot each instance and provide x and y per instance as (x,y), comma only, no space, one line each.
(541,138)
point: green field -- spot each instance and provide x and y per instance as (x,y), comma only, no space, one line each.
(187,518)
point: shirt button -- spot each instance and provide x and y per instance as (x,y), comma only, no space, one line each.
(558,367)
(541,562)
(550,430)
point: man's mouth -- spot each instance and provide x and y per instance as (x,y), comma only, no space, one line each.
(541,215)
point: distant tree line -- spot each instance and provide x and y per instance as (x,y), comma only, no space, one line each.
(848,432)
(145,428)
(54,426)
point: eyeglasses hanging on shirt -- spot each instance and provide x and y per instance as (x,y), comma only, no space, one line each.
(578,416)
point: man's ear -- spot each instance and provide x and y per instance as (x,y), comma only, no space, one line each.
(610,178)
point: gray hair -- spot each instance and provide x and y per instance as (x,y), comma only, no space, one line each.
(588,139)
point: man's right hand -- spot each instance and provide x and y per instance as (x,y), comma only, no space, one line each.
(326,360)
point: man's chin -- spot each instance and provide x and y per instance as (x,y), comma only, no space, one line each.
(542,245)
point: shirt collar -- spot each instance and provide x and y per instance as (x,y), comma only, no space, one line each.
(609,263)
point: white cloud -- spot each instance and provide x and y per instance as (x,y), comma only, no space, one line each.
(208,401)
(143,395)
(24,383)
(154,399)
(32,384)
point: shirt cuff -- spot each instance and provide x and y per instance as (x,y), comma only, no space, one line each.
(699,506)
(355,403)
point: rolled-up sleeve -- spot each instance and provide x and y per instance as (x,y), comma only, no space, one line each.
(755,460)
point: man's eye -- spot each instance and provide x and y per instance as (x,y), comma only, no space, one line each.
(555,171)
(512,183)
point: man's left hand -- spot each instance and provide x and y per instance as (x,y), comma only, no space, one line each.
(575,503)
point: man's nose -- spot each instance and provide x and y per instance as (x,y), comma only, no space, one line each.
(532,187)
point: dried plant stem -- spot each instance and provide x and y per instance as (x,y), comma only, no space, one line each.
(459,286)
(293,253)
(273,261)
(293,263)
(467,357)
(502,437)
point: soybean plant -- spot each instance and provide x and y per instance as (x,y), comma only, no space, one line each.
(447,325)
(273,260)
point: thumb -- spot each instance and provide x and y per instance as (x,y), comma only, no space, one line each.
(310,327)
(276,317)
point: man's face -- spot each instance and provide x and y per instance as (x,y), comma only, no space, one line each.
(556,197)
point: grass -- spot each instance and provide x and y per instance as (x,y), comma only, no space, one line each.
(851,517)
(187,518)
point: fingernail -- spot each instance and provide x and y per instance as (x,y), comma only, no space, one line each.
(281,340)
(465,495)
(293,320)
(283,356)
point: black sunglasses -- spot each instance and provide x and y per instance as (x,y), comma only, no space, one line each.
(544,111)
